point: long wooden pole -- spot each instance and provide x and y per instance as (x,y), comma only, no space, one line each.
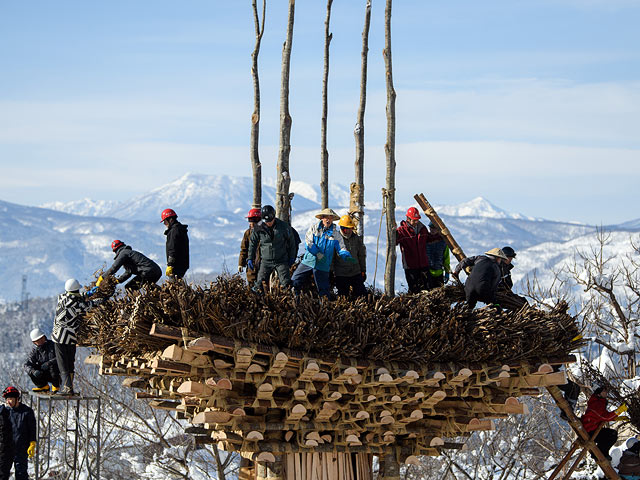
(283,203)
(324,153)
(255,117)
(431,213)
(390,149)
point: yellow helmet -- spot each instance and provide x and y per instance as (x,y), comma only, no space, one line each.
(347,222)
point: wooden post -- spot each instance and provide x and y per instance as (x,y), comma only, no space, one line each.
(357,198)
(271,471)
(390,152)
(324,153)
(283,180)
(256,166)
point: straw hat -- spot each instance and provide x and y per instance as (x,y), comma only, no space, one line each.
(328,212)
(496,252)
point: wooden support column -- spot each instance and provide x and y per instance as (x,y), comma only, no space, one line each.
(271,471)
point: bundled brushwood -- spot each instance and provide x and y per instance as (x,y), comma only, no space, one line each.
(424,328)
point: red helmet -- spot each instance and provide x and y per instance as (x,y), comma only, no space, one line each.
(11,391)
(168,213)
(413,213)
(254,213)
(116,244)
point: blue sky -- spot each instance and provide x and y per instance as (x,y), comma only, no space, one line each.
(534,105)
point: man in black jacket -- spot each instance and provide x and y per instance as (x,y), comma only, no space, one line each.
(41,365)
(177,244)
(23,423)
(134,263)
(482,283)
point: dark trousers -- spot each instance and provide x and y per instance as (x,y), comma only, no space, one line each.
(66,356)
(6,459)
(434,281)
(40,378)
(21,464)
(474,296)
(343,284)
(137,282)
(416,279)
(302,274)
(267,268)
(605,440)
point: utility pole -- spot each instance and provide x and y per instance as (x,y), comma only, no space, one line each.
(24,297)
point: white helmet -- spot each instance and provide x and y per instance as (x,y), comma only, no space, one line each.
(72,285)
(36,334)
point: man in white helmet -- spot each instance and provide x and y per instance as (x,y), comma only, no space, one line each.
(71,307)
(41,365)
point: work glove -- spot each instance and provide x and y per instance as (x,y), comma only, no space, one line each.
(250,265)
(31,451)
(92,291)
(364,276)
(292,261)
(622,408)
(169,271)
(623,418)
(240,269)
(320,256)
(446,277)
(100,280)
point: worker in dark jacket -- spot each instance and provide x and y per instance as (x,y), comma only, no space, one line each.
(146,271)
(438,258)
(596,414)
(482,283)
(7,449)
(23,423)
(41,365)
(253,217)
(351,275)
(411,235)
(277,247)
(177,244)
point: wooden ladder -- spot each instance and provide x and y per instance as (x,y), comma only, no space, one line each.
(583,441)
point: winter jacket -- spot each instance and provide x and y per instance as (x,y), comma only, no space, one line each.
(7,448)
(23,422)
(438,255)
(276,244)
(629,463)
(413,245)
(69,312)
(177,248)
(134,263)
(244,250)
(42,357)
(507,282)
(484,277)
(596,413)
(358,250)
(321,244)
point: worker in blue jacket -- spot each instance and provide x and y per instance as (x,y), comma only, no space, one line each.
(322,241)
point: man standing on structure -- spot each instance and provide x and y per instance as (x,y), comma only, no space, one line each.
(41,365)
(482,283)
(7,450)
(321,242)
(277,247)
(412,237)
(69,312)
(438,258)
(23,423)
(253,217)
(177,244)
(350,274)
(146,271)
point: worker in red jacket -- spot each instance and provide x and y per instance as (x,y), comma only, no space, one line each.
(597,414)
(412,236)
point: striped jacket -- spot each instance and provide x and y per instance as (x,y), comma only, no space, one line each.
(69,314)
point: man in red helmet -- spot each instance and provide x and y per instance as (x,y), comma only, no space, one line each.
(177,244)
(146,271)
(412,236)
(23,426)
(253,217)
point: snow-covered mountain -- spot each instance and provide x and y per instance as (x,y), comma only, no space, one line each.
(479,207)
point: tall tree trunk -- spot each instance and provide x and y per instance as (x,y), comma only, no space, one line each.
(357,190)
(324,153)
(390,152)
(283,202)
(255,117)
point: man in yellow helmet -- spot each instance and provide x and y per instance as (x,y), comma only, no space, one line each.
(350,274)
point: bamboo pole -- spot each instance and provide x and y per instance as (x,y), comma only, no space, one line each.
(324,153)
(283,202)
(256,166)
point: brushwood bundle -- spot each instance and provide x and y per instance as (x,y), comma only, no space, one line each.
(429,327)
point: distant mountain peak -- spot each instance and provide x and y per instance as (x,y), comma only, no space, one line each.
(479,207)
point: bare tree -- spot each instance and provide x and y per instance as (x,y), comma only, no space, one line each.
(283,202)
(390,148)
(324,153)
(357,188)
(255,117)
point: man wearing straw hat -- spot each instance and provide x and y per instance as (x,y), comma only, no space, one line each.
(482,283)
(322,241)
